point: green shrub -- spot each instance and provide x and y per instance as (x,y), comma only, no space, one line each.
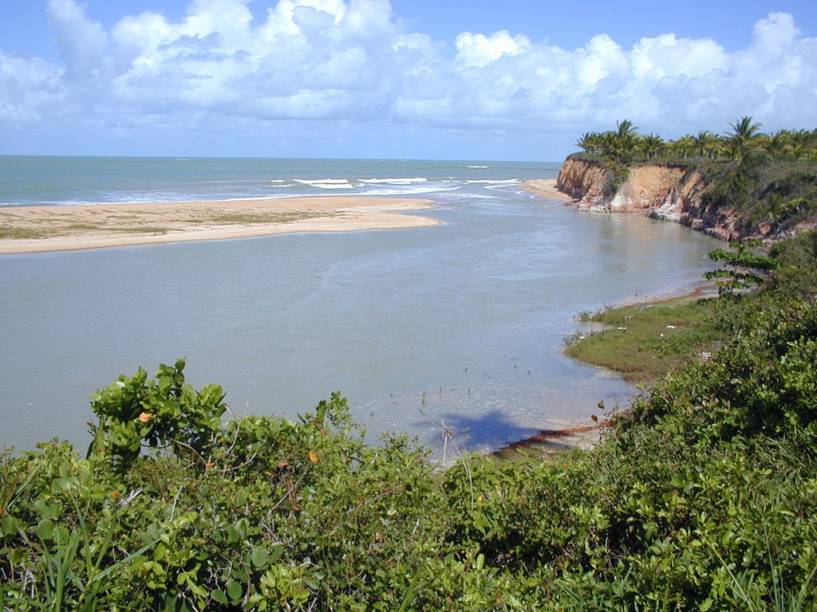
(164,412)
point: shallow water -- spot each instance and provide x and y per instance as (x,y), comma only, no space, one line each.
(461,324)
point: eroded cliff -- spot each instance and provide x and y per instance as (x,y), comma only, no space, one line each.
(669,192)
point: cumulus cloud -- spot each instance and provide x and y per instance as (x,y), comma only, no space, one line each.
(26,86)
(478,50)
(354,61)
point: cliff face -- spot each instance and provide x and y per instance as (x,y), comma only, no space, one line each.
(582,180)
(659,191)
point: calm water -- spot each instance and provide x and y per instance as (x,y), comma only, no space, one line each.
(461,323)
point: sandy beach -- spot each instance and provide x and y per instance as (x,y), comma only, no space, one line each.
(33,229)
(547,189)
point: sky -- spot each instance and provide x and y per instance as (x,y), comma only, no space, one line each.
(421,79)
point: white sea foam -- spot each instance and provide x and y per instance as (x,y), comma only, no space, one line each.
(476,166)
(474,196)
(493,181)
(272,196)
(326,183)
(409,190)
(153,198)
(321,181)
(394,181)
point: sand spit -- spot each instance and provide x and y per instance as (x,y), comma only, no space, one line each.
(547,189)
(33,229)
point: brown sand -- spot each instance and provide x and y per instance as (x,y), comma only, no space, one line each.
(547,189)
(31,229)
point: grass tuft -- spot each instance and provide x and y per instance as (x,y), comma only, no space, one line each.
(645,341)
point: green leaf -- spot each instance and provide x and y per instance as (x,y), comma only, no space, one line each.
(260,557)
(61,485)
(234,590)
(45,529)
(47,510)
(9,525)
(276,553)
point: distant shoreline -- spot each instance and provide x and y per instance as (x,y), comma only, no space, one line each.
(41,229)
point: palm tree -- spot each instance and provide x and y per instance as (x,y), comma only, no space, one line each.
(704,141)
(744,131)
(720,147)
(684,146)
(589,142)
(652,145)
(622,143)
(625,130)
(613,147)
(778,143)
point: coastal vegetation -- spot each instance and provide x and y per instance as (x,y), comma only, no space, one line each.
(704,494)
(625,145)
(645,341)
(752,184)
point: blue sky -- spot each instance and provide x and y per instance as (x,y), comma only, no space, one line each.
(406,79)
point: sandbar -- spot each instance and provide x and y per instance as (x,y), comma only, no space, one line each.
(547,189)
(33,229)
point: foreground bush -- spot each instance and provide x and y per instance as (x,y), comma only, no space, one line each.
(705,497)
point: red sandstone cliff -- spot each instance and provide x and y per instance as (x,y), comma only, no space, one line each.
(665,192)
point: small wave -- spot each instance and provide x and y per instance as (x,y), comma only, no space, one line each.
(505,186)
(494,181)
(271,196)
(276,181)
(474,196)
(394,181)
(409,191)
(326,183)
(481,167)
(321,181)
(156,198)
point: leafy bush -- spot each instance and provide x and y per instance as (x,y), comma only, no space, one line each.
(763,190)
(162,412)
(745,267)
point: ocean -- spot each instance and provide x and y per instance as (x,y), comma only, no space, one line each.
(91,180)
(457,327)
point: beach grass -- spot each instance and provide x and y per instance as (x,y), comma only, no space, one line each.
(645,341)
(248,218)
(60,224)
(15,232)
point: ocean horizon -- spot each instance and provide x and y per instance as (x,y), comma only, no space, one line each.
(66,180)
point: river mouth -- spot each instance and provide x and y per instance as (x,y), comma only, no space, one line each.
(456,328)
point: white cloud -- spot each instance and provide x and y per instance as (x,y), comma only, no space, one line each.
(478,50)
(26,85)
(84,43)
(336,60)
